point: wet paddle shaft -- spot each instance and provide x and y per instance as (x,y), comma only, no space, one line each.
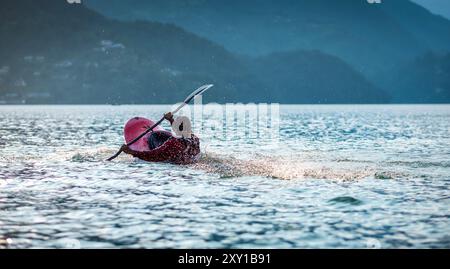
(197,92)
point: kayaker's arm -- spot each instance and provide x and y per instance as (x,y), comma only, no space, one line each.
(169,116)
(126,149)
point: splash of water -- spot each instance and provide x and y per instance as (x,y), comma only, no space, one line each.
(286,168)
(280,167)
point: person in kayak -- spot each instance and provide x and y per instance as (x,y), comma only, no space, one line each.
(133,126)
(157,138)
(163,146)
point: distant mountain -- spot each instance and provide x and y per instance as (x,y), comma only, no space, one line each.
(54,52)
(77,56)
(440,7)
(375,39)
(322,79)
(423,80)
(366,35)
(432,31)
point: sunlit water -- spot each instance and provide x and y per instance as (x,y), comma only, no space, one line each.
(341,176)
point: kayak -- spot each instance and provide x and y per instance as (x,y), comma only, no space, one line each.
(159,145)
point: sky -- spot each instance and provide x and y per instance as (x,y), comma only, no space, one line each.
(441,7)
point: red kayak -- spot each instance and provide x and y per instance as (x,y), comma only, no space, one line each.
(160,145)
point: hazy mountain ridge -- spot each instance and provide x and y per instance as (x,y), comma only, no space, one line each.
(378,40)
(320,80)
(350,29)
(61,53)
(432,30)
(427,74)
(81,57)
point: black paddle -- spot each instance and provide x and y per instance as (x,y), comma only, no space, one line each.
(199,91)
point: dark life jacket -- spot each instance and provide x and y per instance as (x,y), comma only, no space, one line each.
(157,138)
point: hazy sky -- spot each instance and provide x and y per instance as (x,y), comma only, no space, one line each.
(441,7)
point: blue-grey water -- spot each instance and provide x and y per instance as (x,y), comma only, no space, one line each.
(340,177)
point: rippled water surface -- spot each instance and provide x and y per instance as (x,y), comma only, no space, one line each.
(341,176)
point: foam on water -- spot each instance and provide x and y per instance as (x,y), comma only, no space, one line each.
(281,167)
(286,168)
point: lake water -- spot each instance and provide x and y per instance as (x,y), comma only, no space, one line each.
(341,177)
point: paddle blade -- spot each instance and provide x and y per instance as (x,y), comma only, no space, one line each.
(199,91)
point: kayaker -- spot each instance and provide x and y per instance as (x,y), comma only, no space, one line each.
(184,150)
(158,138)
